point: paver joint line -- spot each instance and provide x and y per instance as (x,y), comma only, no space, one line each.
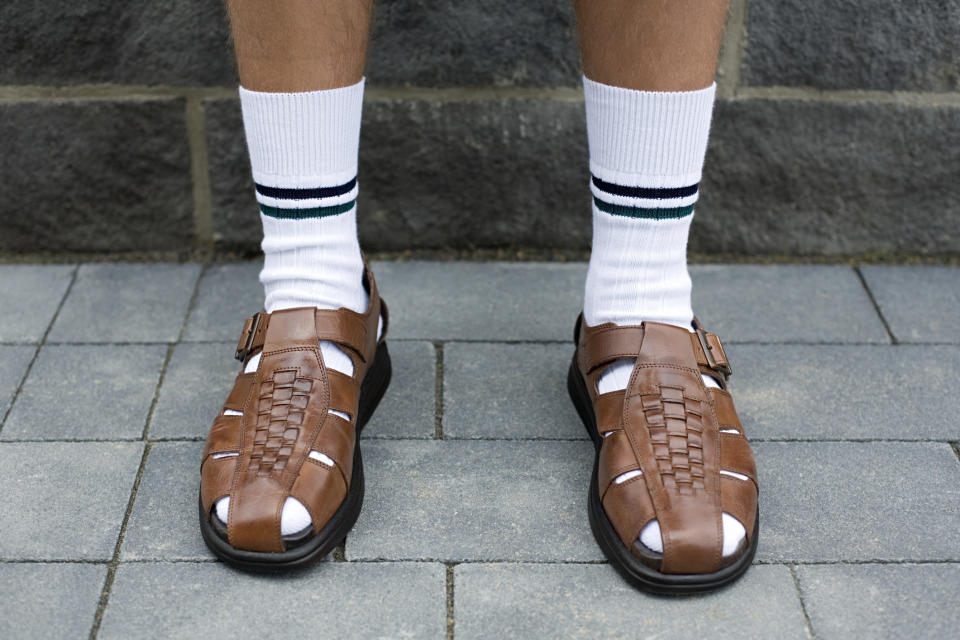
(862,562)
(479,341)
(451,619)
(36,561)
(438,392)
(128,343)
(43,339)
(193,300)
(365,438)
(876,305)
(115,560)
(156,394)
(803,604)
(759,562)
(170,348)
(199,173)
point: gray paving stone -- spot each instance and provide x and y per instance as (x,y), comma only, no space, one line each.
(842,501)
(921,304)
(64,501)
(163,524)
(869,44)
(49,600)
(94,189)
(882,601)
(539,301)
(33,293)
(182,600)
(13,364)
(126,303)
(508,391)
(408,409)
(592,601)
(805,177)
(86,392)
(228,293)
(196,384)
(785,303)
(482,300)
(475,500)
(138,42)
(823,392)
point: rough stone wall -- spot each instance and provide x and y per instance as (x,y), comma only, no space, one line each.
(837,130)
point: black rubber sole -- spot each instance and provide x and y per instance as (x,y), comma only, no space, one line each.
(633,570)
(314,548)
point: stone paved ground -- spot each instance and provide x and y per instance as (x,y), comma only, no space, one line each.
(475,522)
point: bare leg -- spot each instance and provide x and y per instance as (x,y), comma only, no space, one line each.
(652,45)
(300,45)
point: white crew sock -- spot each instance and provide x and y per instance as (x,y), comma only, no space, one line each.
(646,157)
(303,153)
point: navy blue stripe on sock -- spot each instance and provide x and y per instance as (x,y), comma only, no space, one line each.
(305,194)
(645,192)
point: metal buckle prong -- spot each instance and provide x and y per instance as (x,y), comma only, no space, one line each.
(247,339)
(708,353)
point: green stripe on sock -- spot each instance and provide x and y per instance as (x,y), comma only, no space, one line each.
(642,212)
(300,214)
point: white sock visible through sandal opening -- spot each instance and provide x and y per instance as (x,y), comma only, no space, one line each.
(646,157)
(303,154)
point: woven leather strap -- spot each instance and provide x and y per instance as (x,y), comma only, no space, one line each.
(606,343)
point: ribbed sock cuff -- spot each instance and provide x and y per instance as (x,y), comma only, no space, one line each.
(303,140)
(650,138)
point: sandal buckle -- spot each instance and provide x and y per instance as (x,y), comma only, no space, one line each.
(708,353)
(250,327)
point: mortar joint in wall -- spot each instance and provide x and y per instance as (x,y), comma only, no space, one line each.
(451,620)
(200,174)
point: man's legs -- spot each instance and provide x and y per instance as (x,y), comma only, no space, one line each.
(293,46)
(651,45)
(301,72)
(301,68)
(649,67)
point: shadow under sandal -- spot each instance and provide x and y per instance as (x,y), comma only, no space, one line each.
(667,448)
(290,430)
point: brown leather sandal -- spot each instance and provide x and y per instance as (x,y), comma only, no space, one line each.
(667,448)
(258,451)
